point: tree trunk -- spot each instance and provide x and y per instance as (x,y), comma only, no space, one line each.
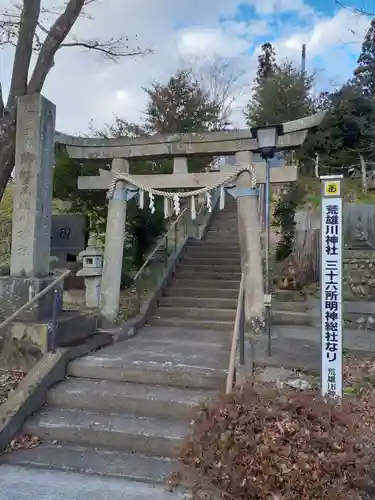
(316,166)
(7,148)
(363,173)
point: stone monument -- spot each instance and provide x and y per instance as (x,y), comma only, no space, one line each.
(32,211)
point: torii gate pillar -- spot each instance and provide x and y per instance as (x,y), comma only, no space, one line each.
(114,247)
(250,244)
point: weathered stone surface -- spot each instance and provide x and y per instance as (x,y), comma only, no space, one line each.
(228,142)
(30,484)
(281,376)
(32,190)
(67,236)
(358,276)
(17,291)
(180,180)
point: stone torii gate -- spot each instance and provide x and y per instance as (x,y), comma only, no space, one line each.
(180,146)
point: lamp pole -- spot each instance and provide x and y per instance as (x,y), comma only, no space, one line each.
(267,142)
(267,297)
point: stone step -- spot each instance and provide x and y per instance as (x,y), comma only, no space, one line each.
(229,224)
(297,306)
(223,231)
(222,240)
(24,483)
(202,276)
(182,299)
(213,260)
(175,363)
(94,462)
(218,256)
(159,437)
(183,335)
(212,303)
(229,245)
(122,397)
(214,250)
(226,327)
(289,295)
(217,253)
(188,267)
(196,313)
(291,318)
(202,293)
(233,284)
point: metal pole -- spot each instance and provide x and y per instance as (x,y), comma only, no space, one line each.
(267,256)
(54,320)
(242,331)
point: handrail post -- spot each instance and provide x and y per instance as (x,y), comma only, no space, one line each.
(52,343)
(175,237)
(32,301)
(242,331)
(166,252)
(137,294)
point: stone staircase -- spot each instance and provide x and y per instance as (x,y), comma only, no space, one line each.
(115,423)
(123,411)
(203,292)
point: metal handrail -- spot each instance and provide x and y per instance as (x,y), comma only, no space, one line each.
(238,336)
(35,298)
(159,245)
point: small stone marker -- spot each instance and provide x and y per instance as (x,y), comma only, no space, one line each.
(68,235)
(331,286)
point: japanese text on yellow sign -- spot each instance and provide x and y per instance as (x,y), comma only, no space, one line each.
(332,188)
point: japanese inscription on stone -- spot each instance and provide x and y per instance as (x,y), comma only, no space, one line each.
(331,291)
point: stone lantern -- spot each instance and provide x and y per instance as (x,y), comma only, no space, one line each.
(92,262)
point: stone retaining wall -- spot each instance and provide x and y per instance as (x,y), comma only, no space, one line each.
(5,235)
(359,275)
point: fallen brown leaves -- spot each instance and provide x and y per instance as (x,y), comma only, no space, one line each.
(359,385)
(9,380)
(23,442)
(263,443)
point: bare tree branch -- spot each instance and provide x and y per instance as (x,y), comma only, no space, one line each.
(23,26)
(56,36)
(2,106)
(355,9)
(220,79)
(112,49)
(21,63)
(47,41)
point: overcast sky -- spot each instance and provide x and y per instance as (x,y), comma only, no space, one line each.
(84,87)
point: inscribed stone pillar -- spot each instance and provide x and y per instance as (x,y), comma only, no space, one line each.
(32,191)
(249,234)
(114,247)
(32,210)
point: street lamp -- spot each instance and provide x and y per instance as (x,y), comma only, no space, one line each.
(267,144)
(267,139)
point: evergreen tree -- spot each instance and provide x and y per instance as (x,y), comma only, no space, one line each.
(286,96)
(266,62)
(180,106)
(365,72)
(346,131)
